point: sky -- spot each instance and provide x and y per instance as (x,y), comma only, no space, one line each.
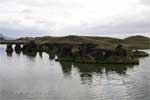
(74,17)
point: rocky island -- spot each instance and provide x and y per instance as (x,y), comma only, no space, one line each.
(80,50)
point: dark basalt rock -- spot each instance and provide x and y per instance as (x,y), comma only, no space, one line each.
(9,48)
(65,51)
(43,48)
(86,48)
(138,53)
(51,55)
(30,47)
(18,48)
(100,54)
(120,51)
(87,54)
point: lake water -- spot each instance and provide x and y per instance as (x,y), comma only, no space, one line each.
(37,77)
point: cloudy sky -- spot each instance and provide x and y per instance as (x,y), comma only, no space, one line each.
(74,17)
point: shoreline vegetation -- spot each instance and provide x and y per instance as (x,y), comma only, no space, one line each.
(88,50)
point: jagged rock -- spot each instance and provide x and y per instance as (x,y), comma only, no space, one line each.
(18,48)
(9,48)
(120,51)
(138,53)
(86,48)
(65,51)
(101,53)
(30,47)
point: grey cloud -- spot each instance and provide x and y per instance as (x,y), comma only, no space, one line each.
(128,26)
(50,3)
(17,31)
(26,11)
(145,2)
(42,22)
(22,32)
(139,23)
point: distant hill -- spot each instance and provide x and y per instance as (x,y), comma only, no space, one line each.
(3,37)
(137,41)
(133,42)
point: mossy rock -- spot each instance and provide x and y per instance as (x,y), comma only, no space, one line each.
(140,54)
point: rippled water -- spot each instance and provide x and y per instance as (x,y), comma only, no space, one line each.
(25,77)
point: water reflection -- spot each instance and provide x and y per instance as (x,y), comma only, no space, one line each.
(30,54)
(18,52)
(41,54)
(9,54)
(86,70)
(26,74)
(66,68)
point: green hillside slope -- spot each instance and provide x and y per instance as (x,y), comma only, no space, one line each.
(133,42)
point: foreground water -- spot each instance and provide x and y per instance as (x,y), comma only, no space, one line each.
(25,77)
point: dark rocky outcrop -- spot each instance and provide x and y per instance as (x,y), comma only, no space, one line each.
(65,51)
(51,55)
(86,48)
(120,51)
(100,54)
(9,48)
(18,48)
(81,53)
(30,47)
(88,53)
(138,53)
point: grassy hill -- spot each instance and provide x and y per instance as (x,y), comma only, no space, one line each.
(137,42)
(133,42)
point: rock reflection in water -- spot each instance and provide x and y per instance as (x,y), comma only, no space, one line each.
(9,54)
(88,70)
(18,52)
(30,54)
(66,68)
(41,54)
(24,75)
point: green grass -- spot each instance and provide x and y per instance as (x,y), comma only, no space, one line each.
(138,42)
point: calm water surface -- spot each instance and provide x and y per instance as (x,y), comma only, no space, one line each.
(25,77)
